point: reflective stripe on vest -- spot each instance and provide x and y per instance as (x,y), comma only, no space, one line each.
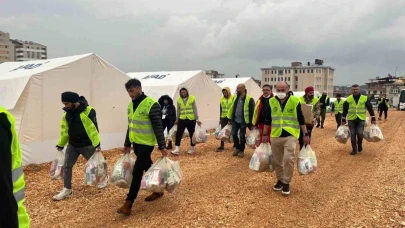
(256,112)
(338,106)
(186,111)
(284,119)
(17,173)
(226,104)
(139,124)
(88,125)
(357,110)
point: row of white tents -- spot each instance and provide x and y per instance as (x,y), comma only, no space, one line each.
(31,91)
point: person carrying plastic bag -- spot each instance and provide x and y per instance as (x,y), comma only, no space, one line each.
(144,130)
(372,133)
(307,162)
(96,170)
(121,174)
(199,136)
(262,111)
(262,159)
(56,170)
(225,105)
(342,134)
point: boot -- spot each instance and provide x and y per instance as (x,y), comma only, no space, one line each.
(154,196)
(126,209)
(169,145)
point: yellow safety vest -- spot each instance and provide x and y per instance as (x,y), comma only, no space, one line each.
(226,104)
(357,110)
(286,119)
(339,106)
(17,173)
(313,102)
(386,103)
(186,111)
(140,126)
(256,112)
(88,124)
(245,108)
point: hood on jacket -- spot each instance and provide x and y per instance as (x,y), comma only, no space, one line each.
(82,100)
(228,90)
(165,97)
(183,88)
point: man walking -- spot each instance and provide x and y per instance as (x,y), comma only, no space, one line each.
(78,128)
(309,98)
(262,110)
(12,184)
(168,116)
(240,115)
(384,105)
(187,117)
(286,122)
(355,108)
(337,107)
(225,105)
(144,129)
(324,103)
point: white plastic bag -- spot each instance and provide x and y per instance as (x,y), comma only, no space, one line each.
(172,133)
(121,174)
(307,162)
(261,159)
(372,133)
(252,138)
(217,131)
(342,134)
(225,134)
(164,174)
(56,171)
(96,169)
(200,135)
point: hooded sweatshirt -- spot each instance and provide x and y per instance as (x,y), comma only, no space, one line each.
(185,102)
(228,99)
(168,109)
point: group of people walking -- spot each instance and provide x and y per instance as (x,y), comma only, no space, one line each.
(278,117)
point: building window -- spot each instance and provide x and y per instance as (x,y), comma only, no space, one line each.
(312,70)
(296,78)
(300,71)
(296,71)
(296,86)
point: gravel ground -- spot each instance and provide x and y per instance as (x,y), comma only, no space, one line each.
(218,190)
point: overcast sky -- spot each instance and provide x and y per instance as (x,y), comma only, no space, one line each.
(361,39)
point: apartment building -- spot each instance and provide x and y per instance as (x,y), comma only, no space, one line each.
(6,48)
(214,74)
(378,86)
(18,50)
(300,76)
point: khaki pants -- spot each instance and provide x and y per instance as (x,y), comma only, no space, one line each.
(283,149)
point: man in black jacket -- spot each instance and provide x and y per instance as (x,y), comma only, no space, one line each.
(383,105)
(83,138)
(324,102)
(168,116)
(142,139)
(241,116)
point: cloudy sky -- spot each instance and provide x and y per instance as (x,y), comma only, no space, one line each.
(360,38)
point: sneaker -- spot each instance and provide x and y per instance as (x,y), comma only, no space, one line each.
(219,149)
(241,154)
(191,150)
(176,151)
(278,186)
(379,118)
(65,193)
(286,190)
(104,183)
(235,152)
(154,196)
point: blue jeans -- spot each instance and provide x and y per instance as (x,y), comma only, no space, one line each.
(356,133)
(71,156)
(239,144)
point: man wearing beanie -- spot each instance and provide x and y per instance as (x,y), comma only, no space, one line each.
(79,130)
(310,99)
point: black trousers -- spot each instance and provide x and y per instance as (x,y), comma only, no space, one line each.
(142,164)
(224,122)
(385,110)
(338,118)
(166,124)
(181,126)
(239,144)
(356,133)
(301,139)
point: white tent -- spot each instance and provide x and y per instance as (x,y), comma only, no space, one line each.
(251,86)
(302,93)
(207,93)
(32,92)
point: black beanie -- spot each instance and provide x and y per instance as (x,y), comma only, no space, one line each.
(70,97)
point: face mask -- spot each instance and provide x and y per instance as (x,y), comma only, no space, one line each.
(281,95)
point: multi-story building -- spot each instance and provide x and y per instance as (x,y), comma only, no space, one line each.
(214,74)
(28,50)
(394,89)
(299,76)
(6,48)
(377,86)
(18,50)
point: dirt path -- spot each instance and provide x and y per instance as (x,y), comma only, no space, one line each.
(218,190)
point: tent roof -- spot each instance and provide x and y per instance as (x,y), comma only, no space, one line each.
(230,82)
(14,76)
(164,78)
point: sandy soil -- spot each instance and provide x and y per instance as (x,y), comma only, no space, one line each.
(218,190)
